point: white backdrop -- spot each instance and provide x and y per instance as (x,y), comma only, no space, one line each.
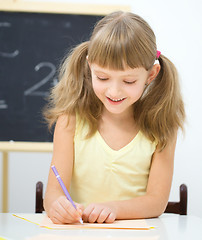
(178,28)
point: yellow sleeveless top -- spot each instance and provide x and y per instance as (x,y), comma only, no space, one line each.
(102,174)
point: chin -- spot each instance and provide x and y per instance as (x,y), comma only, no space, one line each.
(116,110)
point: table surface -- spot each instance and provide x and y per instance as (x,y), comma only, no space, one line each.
(166,227)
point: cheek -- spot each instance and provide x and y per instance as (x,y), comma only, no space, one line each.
(97,87)
(136,91)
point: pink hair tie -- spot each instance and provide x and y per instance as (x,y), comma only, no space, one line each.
(158,53)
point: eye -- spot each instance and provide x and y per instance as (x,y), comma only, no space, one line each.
(130,82)
(102,79)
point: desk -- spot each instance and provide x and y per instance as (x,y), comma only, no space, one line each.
(166,227)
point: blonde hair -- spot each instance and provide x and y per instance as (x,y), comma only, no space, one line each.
(120,40)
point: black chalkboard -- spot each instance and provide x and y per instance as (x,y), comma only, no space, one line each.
(31,48)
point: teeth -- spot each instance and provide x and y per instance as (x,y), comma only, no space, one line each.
(117,100)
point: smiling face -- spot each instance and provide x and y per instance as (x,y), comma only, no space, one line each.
(118,90)
(121,54)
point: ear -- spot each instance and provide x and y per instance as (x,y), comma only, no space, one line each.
(153,73)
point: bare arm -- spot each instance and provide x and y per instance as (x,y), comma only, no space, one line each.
(58,208)
(152,204)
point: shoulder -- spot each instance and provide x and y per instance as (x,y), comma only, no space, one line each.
(145,141)
(63,138)
(65,124)
(165,157)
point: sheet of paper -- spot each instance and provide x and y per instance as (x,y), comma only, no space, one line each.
(71,237)
(30,217)
(5,238)
(119,224)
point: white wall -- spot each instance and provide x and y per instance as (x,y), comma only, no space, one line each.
(178,28)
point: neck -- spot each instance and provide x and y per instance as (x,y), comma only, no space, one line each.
(117,126)
(125,116)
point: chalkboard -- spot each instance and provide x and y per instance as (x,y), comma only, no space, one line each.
(32,46)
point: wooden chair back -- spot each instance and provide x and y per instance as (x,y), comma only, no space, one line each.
(172,207)
(181,206)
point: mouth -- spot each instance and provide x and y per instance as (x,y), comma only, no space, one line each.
(116,101)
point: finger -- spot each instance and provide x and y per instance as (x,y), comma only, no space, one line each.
(61,210)
(87,212)
(80,212)
(111,218)
(73,214)
(65,213)
(80,208)
(103,215)
(94,215)
(56,217)
(55,220)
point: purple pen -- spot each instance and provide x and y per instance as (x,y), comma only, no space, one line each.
(64,188)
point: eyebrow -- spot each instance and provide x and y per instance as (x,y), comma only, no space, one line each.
(127,75)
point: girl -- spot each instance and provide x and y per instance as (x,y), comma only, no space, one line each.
(117,113)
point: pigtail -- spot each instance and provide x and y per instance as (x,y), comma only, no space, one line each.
(73,93)
(160,111)
(85,102)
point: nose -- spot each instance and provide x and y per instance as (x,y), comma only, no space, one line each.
(114,89)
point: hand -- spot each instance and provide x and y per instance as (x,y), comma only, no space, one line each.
(99,213)
(62,211)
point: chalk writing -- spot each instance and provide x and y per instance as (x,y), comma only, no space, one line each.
(3,104)
(5,54)
(35,89)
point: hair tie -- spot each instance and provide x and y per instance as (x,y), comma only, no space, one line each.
(158,53)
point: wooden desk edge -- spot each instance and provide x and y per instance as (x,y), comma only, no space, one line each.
(26,146)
